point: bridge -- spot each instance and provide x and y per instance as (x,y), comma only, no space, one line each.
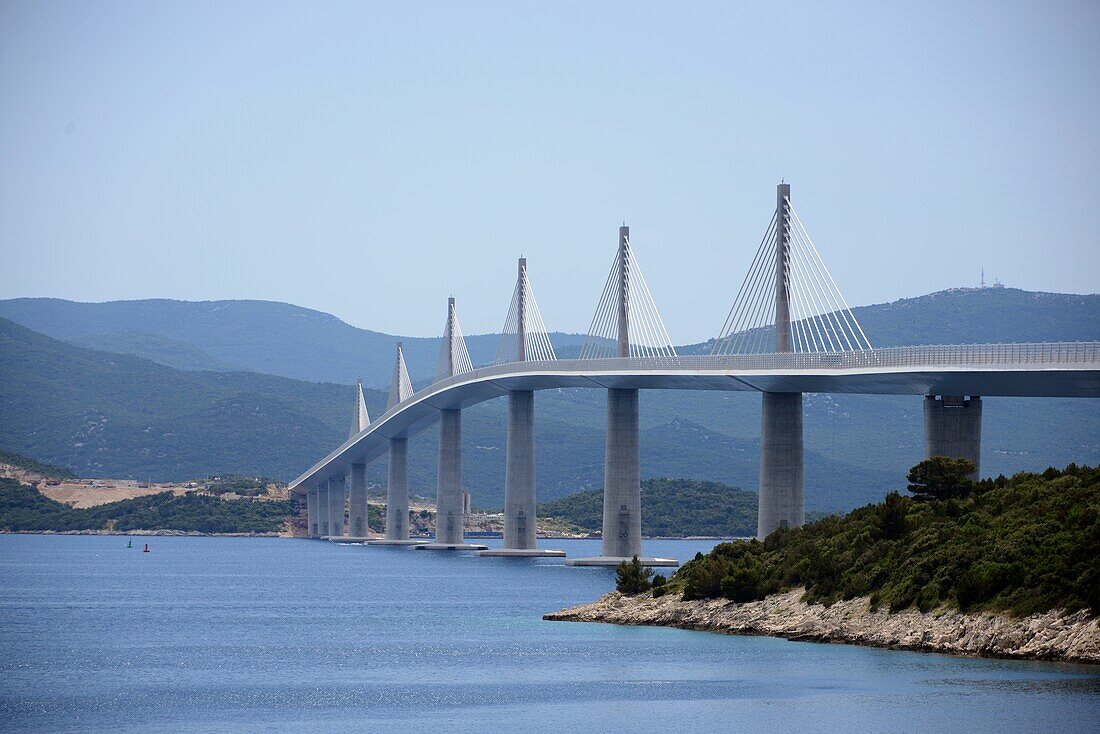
(789,332)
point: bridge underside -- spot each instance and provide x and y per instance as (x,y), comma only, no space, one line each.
(423,409)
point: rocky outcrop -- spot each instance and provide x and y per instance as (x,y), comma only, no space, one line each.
(1054,635)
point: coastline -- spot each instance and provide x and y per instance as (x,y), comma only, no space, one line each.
(1052,636)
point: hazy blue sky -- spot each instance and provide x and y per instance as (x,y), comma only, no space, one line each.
(370,159)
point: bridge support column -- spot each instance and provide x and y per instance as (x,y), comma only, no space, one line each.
(622,486)
(953,428)
(450,519)
(782,503)
(397,491)
(312,530)
(322,511)
(397,496)
(337,490)
(358,517)
(519,481)
(622,478)
(519,472)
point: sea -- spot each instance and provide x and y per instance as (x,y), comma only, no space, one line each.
(287,635)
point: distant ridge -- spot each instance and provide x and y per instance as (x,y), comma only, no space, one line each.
(257,336)
(304,344)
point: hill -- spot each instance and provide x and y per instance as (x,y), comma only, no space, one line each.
(35,467)
(670,507)
(253,335)
(1022,545)
(23,508)
(241,335)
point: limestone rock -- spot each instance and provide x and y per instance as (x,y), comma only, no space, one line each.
(1053,635)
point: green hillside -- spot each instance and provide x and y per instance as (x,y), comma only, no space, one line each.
(38,467)
(670,507)
(23,508)
(1023,545)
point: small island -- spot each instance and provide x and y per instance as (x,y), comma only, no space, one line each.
(1005,567)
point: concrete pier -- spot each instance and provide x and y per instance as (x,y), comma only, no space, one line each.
(358,518)
(450,521)
(312,530)
(519,482)
(337,491)
(622,481)
(322,510)
(519,472)
(953,428)
(622,487)
(781,472)
(397,497)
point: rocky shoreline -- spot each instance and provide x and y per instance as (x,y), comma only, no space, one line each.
(1054,635)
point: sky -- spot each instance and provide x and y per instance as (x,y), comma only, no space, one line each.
(371,159)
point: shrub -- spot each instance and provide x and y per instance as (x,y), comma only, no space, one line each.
(941,477)
(631,577)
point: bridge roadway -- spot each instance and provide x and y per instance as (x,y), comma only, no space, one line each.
(1066,369)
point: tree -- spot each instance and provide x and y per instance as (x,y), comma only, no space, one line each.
(631,577)
(941,477)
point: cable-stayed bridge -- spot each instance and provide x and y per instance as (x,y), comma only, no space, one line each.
(789,331)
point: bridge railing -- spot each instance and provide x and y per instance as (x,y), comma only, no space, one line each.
(932,356)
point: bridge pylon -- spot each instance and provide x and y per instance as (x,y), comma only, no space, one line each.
(627,324)
(450,515)
(397,476)
(523,339)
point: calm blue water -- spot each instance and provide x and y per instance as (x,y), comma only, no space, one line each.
(237,634)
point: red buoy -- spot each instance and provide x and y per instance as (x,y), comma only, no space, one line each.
(146,548)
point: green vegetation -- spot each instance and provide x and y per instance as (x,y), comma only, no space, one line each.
(38,467)
(1021,545)
(670,507)
(239,485)
(24,508)
(941,478)
(631,577)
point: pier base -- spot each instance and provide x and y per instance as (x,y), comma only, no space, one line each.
(613,561)
(452,547)
(521,553)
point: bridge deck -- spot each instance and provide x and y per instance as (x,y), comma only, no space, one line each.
(1069,369)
